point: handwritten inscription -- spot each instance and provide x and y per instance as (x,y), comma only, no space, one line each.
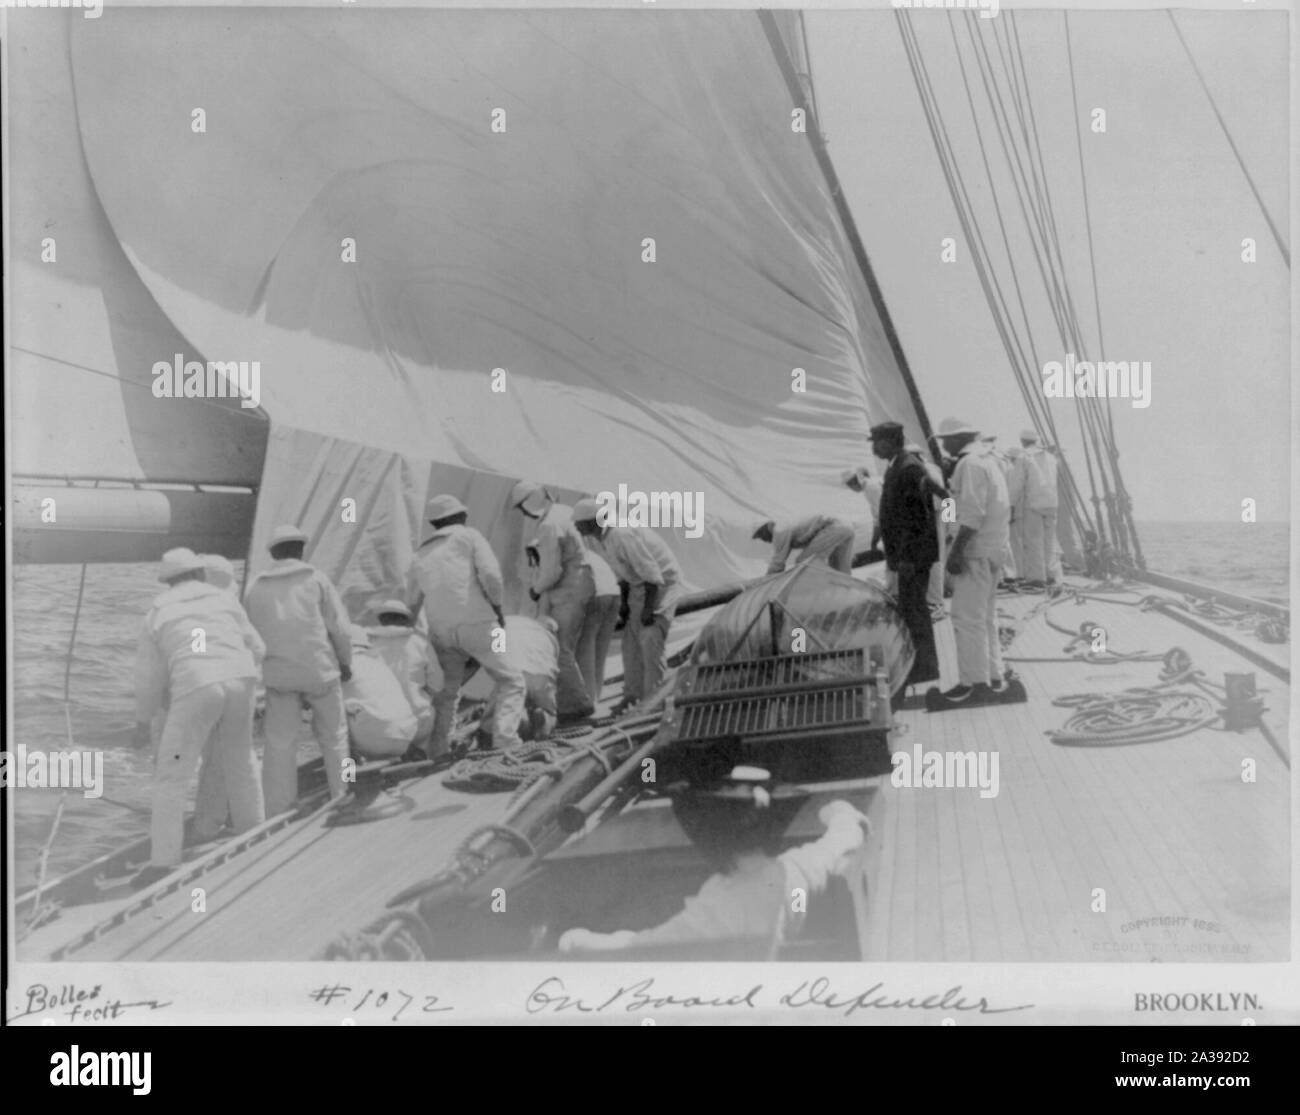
(819,993)
(70,1003)
(391,1005)
(549,995)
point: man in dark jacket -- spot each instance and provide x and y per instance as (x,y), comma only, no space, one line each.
(911,544)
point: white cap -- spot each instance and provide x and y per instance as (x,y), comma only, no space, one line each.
(287,532)
(178,561)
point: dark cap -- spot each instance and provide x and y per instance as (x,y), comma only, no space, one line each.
(886,430)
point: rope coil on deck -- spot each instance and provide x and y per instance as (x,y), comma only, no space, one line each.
(1140,714)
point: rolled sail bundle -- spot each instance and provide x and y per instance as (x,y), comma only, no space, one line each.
(811,609)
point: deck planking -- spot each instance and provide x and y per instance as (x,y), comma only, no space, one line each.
(1167,829)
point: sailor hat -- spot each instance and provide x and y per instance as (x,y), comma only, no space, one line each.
(951,427)
(392,608)
(443,507)
(287,532)
(178,561)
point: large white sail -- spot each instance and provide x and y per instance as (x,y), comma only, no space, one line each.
(502,177)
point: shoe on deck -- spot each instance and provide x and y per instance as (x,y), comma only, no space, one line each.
(959,696)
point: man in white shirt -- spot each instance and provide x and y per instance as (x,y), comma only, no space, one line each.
(563,584)
(974,561)
(649,582)
(298,612)
(199,654)
(817,537)
(1036,487)
(598,632)
(407,653)
(381,722)
(458,577)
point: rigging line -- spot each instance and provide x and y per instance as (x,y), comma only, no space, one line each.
(966,214)
(1017,96)
(961,199)
(1064,325)
(992,291)
(1281,247)
(1034,156)
(1075,505)
(1011,262)
(1087,213)
(997,207)
(1053,224)
(998,111)
(243,412)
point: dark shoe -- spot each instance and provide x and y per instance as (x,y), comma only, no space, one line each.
(959,693)
(997,685)
(566,719)
(150,875)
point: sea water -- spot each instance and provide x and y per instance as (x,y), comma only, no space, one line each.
(1252,559)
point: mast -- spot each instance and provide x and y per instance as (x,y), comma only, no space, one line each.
(803,99)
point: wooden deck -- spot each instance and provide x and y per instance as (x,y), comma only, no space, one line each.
(1167,830)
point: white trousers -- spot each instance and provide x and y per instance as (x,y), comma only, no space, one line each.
(975,622)
(227,708)
(645,657)
(833,544)
(329,722)
(454,649)
(934,595)
(1038,538)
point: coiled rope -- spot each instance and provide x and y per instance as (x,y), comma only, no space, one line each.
(1142,714)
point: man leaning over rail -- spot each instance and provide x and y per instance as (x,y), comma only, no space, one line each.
(197,648)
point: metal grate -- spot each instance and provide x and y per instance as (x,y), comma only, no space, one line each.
(788,715)
(762,674)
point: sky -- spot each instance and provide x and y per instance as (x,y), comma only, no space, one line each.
(1169,206)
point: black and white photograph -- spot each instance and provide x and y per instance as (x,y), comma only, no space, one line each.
(794,503)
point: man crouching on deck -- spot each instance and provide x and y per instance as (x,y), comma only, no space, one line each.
(737,825)
(198,646)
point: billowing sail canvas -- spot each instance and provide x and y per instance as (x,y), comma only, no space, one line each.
(591,249)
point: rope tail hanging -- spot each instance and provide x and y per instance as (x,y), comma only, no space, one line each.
(43,861)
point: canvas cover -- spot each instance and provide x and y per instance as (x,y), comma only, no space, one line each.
(349,218)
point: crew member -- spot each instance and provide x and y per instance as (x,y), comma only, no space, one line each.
(459,578)
(381,722)
(935,594)
(738,826)
(983,515)
(564,585)
(1038,505)
(593,649)
(298,612)
(211,804)
(649,584)
(533,649)
(907,526)
(197,651)
(407,654)
(819,537)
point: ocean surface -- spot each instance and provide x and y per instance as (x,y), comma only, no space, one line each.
(1252,559)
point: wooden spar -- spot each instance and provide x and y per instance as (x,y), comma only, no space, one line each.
(827,168)
(572,817)
(1218,596)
